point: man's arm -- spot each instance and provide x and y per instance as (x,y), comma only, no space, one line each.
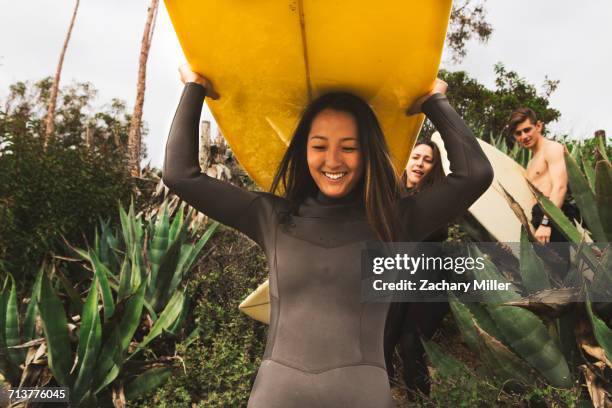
(553,154)
(557,172)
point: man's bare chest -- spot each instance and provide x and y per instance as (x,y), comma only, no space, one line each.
(537,169)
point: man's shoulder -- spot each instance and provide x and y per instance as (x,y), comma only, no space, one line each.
(553,149)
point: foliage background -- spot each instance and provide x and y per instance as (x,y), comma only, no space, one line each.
(63,191)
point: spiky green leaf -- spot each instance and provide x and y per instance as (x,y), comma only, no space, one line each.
(603,190)
(7,369)
(167,317)
(88,317)
(17,356)
(111,358)
(90,337)
(126,229)
(159,246)
(29,324)
(177,223)
(532,270)
(147,382)
(125,278)
(602,332)
(444,364)
(55,327)
(589,172)
(585,199)
(137,274)
(102,273)
(463,318)
(175,327)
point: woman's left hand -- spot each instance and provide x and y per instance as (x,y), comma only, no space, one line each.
(439,87)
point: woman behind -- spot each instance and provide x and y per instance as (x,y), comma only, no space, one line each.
(406,322)
(424,167)
(325,346)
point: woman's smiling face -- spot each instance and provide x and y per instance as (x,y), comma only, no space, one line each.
(334,156)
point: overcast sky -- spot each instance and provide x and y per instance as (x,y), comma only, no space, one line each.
(562,39)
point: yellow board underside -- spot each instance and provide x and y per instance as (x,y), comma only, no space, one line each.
(269,58)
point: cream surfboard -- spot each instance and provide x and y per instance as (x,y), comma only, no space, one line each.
(257,304)
(268,58)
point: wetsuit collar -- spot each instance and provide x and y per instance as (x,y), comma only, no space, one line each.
(321,206)
(351,197)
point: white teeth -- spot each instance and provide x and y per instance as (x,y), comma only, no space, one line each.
(334,176)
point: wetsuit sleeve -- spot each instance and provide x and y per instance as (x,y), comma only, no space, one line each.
(471,175)
(219,200)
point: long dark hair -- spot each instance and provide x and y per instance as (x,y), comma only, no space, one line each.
(435,175)
(380,184)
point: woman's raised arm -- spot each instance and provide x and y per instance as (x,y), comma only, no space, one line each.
(220,200)
(471,174)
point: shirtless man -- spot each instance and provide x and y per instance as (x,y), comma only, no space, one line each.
(546,170)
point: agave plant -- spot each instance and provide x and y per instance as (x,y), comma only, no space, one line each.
(135,295)
(539,330)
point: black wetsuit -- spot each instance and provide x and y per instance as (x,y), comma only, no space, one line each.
(324,347)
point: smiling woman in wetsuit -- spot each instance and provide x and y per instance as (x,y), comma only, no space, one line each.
(325,346)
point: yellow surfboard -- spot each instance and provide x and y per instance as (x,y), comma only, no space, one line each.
(269,58)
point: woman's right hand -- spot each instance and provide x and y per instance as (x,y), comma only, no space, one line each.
(439,87)
(187,75)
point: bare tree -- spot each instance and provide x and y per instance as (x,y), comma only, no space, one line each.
(50,122)
(468,19)
(134,136)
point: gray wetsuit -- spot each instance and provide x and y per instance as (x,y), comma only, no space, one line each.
(324,346)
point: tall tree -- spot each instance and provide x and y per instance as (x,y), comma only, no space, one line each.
(50,121)
(135,137)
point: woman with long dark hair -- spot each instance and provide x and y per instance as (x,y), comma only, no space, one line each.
(338,189)
(406,321)
(424,168)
